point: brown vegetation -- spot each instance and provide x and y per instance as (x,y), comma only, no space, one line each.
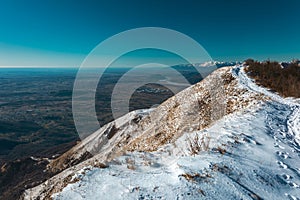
(221,150)
(197,145)
(130,163)
(284,80)
(196,177)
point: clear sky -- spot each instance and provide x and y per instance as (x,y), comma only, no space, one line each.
(63,32)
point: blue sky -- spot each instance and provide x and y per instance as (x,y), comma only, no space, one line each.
(63,32)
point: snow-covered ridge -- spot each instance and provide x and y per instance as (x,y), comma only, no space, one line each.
(293,120)
(251,139)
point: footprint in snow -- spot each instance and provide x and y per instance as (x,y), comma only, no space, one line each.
(282,165)
(277,145)
(283,155)
(282,133)
(294,185)
(286,176)
(291,197)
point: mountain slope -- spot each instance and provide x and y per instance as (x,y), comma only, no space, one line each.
(246,141)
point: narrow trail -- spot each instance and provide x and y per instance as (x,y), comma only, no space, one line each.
(287,137)
(293,120)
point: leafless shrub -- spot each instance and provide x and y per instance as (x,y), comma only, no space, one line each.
(198,144)
(284,80)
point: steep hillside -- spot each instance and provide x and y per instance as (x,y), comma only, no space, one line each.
(223,137)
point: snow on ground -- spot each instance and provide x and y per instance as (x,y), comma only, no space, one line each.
(293,120)
(253,154)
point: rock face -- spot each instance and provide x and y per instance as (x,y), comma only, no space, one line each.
(194,109)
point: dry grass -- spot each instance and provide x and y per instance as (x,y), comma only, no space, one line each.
(220,168)
(198,144)
(100,164)
(221,150)
(202,192)
(130,163)
(196,177)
